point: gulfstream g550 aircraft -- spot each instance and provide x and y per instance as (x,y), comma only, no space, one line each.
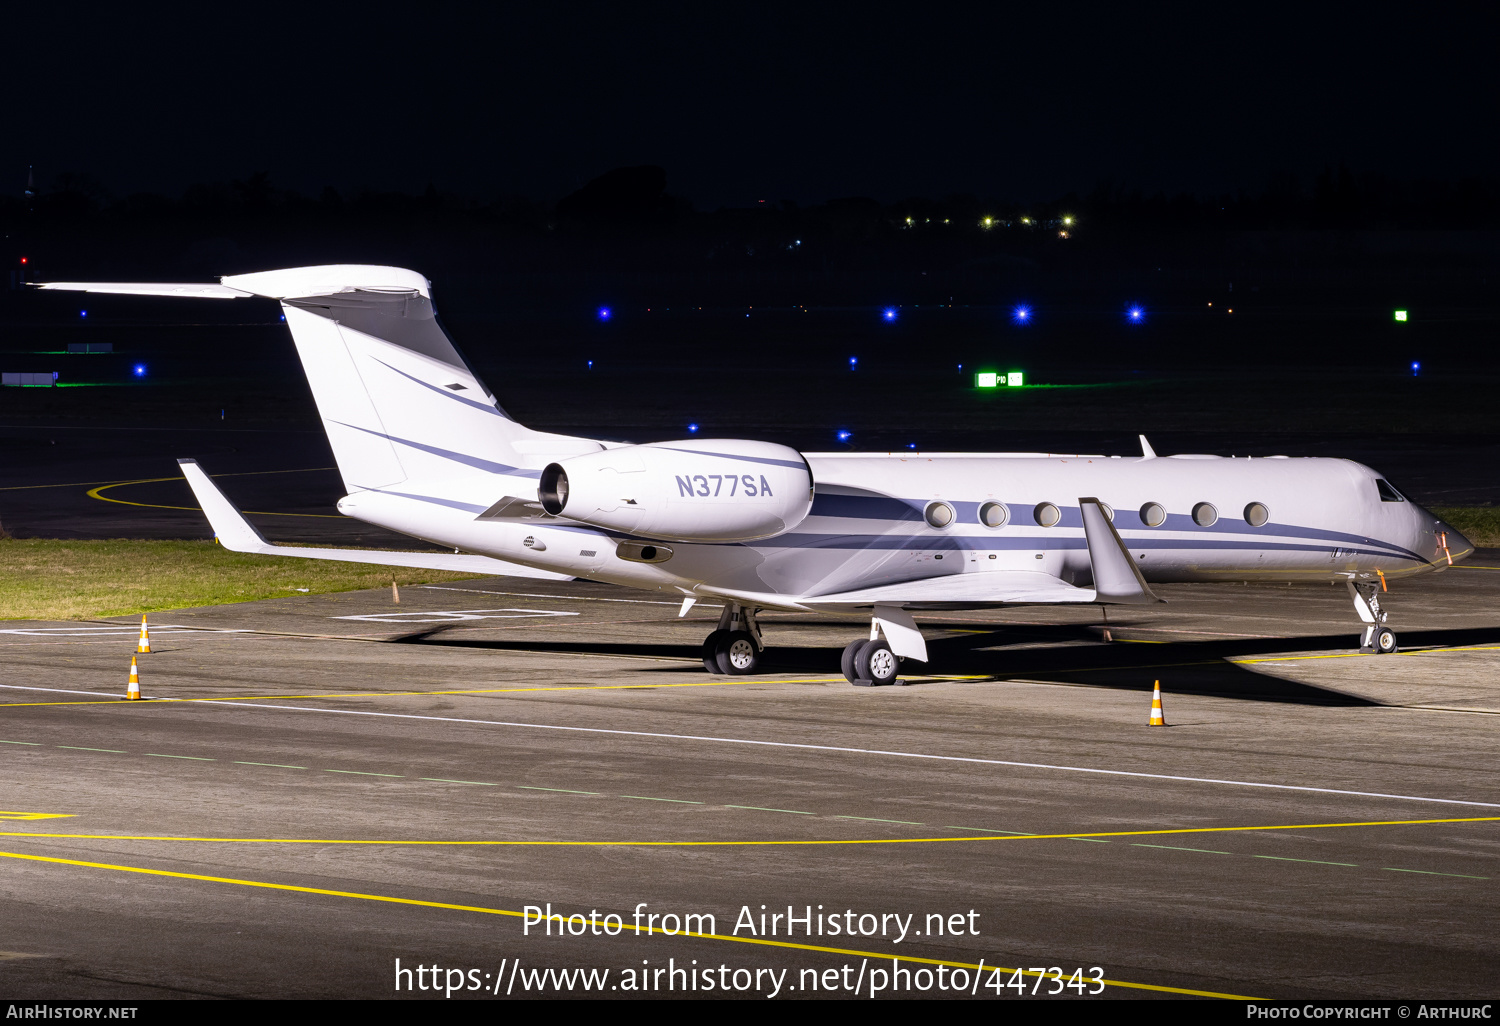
(424,449)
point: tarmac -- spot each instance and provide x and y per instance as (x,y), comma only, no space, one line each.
(317,787)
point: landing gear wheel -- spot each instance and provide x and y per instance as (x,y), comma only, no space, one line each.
(1385,641)
(737,653)
(711,651)
(846,661)
(876,662)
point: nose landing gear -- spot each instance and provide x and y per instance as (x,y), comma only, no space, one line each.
(1377,639)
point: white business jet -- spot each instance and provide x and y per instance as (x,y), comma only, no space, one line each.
(424,449)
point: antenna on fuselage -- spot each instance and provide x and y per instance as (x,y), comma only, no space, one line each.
(1147,453)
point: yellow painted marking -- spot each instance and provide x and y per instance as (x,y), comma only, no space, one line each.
(85,484)
(1355,655)
(36,815)
(1092,835)
(474,691)
(764,942)
(93,493)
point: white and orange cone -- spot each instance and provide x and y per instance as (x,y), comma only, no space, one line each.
(133,689)
(144,645)
(1157,718)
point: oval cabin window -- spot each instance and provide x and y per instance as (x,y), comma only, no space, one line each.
(1153,514)
(1047,515)
(1204,514)
(993,514)
(1256,514)
(938,514)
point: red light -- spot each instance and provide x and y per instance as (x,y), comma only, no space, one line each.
(23,260)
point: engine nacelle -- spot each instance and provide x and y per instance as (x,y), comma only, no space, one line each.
(722,490)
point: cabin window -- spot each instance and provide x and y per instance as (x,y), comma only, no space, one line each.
(1047,515)
(1153,514)
(1204,514)
(1256,514)
(938,514)
(1387,493)
(993,514)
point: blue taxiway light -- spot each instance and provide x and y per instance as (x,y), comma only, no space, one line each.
(1022,315)
(844,436)
(1416,368)
(1135,315)
(591,365)
(604,313)
(140,370)
(890,313)
(83,313)
(853,362)
(692,429)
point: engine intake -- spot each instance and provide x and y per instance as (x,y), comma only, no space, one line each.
(724,490)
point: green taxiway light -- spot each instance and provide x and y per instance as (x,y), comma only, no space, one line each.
(1400,315)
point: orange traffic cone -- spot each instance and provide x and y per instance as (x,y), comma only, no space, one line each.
(133,689)
(144,645)
(1157,719)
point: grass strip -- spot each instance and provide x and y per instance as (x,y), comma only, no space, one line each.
(51,579)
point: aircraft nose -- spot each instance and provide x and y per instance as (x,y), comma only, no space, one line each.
(1448,543)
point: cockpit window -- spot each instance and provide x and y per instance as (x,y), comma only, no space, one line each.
(1387,493)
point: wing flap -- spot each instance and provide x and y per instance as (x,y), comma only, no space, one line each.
(998,587)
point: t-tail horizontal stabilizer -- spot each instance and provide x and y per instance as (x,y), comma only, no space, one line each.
(238,535)
(1116,577)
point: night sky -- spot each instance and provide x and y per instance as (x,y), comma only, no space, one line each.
(740,103)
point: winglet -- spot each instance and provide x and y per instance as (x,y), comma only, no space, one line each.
(238,535)
(1147,453)
(1116,577)
(233,530)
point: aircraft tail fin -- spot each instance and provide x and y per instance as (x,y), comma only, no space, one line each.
(396,398)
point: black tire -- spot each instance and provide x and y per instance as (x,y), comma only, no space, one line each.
(1385,641)
(737,654)
(876,662)
(846,661)
(711,651)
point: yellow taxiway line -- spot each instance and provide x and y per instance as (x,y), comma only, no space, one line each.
(728,844)
(764,942)
(93,493)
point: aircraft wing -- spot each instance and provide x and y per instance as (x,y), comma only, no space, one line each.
(238,535)
(999,587)
(205,290)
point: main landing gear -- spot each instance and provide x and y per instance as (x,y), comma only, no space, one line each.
(1377,637)
(870,663)
(875,661)
(735,649)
